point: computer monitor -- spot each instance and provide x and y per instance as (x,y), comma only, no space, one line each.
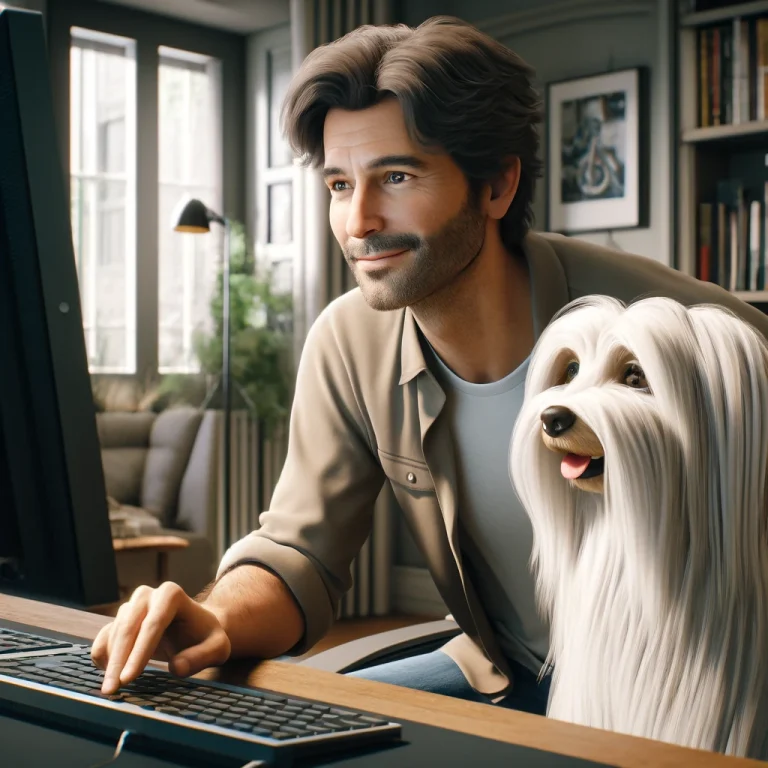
(55,538)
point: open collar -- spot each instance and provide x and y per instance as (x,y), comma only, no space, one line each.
(549,293)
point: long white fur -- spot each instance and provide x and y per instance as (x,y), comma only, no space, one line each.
(656,590)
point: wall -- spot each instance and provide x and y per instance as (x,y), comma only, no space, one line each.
(568,39)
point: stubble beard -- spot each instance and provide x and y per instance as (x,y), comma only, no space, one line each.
(430,267)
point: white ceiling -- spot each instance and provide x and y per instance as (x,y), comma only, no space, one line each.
(243,16)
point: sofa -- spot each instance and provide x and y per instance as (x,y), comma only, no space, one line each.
(160,471)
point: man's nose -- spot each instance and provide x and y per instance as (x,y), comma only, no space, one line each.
(363,217)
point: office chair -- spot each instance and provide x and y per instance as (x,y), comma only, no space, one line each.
(383,647)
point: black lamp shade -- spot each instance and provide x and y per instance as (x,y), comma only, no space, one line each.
(193,217)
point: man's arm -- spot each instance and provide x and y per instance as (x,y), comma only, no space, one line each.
(277,589)
(321,510)
(256,610)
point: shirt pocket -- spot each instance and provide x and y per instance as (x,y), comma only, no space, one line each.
(407,473)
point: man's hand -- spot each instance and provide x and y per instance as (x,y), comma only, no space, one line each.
(164,624)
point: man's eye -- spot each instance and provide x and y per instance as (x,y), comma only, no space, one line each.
(571,370)
(634,377)
(397,177)
(335,186)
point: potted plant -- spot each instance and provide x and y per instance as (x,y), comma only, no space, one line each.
(260,347)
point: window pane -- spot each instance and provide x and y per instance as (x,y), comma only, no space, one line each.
(280,204)
(103,183)
(280,74)
(190,166)
(282,275)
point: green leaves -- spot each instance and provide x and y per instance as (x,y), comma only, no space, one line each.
(261,341)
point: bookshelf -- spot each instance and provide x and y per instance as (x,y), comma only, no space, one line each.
(722,189)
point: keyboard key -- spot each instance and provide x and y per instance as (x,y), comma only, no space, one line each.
(353,723)
(318,729)
(271,697)
(342,712)
(372,720)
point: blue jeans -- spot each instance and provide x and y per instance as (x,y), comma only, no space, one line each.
(436,672)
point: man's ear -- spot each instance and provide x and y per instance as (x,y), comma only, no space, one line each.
(504,189)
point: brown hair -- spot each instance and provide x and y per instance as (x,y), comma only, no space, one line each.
(460,90)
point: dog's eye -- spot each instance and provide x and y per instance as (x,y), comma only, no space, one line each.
(634,377)
(571,371)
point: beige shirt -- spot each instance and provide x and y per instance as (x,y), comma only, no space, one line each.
(367,411)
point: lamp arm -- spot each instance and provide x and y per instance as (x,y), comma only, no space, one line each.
(226,382)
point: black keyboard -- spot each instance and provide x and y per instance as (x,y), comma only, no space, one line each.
(188,713)
(13,642)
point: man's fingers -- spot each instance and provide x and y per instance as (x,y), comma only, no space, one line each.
(100,647)
(214,650)
(122,636)
(163,607)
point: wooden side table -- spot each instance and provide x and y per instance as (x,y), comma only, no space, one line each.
(162,545)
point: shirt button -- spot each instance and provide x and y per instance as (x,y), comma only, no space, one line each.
(411,477)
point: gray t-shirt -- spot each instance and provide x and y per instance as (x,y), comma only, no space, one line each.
(495,532)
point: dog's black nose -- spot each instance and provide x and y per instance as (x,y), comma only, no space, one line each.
(557,419)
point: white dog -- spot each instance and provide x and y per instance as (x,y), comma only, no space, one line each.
(640,456)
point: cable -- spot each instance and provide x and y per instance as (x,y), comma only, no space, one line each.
(118,749)
(124,736)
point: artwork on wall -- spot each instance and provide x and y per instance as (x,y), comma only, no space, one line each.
(595,169)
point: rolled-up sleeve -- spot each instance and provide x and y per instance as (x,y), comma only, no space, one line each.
(322,507)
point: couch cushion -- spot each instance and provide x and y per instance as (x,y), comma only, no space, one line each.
(124,439)
(170,445)
(127,521)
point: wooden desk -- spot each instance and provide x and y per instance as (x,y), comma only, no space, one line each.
(405,704)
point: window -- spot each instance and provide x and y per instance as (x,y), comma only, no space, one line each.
(277,173)
(190,154)
(103,186)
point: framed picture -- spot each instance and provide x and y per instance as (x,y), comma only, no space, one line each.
(596,164)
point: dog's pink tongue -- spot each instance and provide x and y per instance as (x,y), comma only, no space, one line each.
(572,466)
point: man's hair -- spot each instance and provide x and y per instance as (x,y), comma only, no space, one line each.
(461,92)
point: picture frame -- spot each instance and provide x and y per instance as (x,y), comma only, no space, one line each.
(597,156)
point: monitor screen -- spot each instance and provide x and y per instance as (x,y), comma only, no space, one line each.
(55,539)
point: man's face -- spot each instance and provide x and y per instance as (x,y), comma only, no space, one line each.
(402,216)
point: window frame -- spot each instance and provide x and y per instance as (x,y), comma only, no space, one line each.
(122,46)
(152,32)
(191,62)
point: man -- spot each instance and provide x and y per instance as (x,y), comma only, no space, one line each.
(427,141)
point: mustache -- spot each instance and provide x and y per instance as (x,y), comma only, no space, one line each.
(380,243)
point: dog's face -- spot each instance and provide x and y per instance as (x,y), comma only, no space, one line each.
(565,433)
(585,376)
(617,386)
